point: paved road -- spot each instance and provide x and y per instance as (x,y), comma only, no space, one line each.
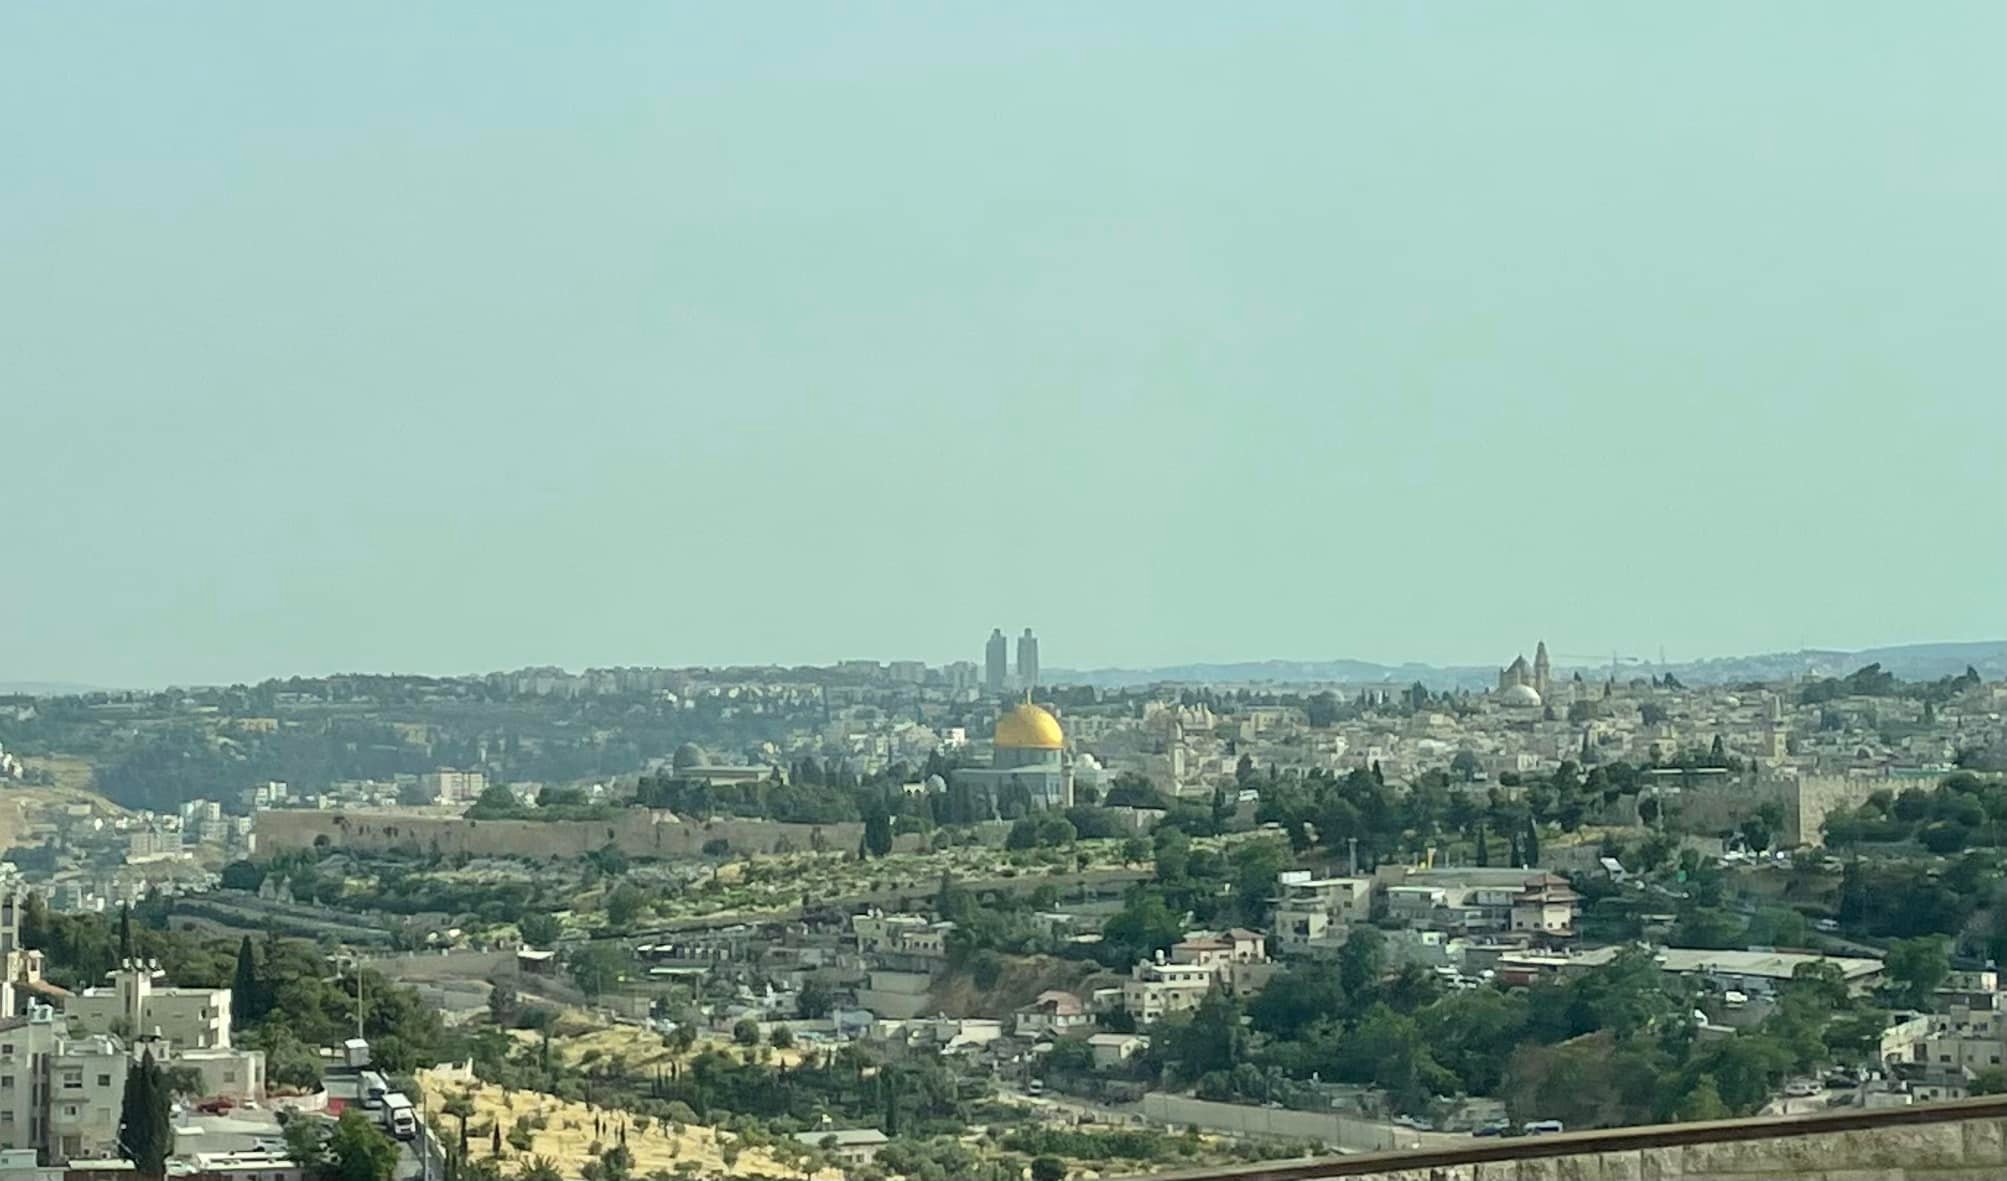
(345,1087)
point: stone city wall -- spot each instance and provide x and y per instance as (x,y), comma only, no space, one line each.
(637,832)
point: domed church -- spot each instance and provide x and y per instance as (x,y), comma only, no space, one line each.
(1028,772)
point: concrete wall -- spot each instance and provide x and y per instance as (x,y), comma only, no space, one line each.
(637,832)
(1240,1119)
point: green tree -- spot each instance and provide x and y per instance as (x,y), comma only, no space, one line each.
(1048,1168)
(616,1163)
(814,1000)
(1211,1040)
(1144,926)
(540,1168)
(145,1127)
(1256,866)
(538,929)
(1915,968)
(1702,1101)
(1362,960)
(598,969)
(624,904)
(1989,1080)
(358,1150)
(746,1032)
(1300,996)
(878,832)
(1388,1050)
(504,1004)
(306,1138)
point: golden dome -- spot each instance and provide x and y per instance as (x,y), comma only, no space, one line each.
(1027,727)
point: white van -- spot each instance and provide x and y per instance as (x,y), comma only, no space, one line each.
(1542,1127)
(371,1088)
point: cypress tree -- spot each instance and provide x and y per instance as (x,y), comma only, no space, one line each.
(124,932)
(1532,845)
(246,1001)
(888,1084)
(146,1131)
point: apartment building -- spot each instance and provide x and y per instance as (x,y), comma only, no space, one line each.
(1970,1036)
(1055,1013)
(136,1004)
(1312,912)
(1479,899)
(447,786)
(1156,990)
(86,1090)
(58,1094)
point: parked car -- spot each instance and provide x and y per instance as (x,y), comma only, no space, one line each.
(1497,1127)
(1801,1088)
(1542,1127)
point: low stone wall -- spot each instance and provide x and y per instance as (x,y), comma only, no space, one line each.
(1961,1141)
(1324,1127)
(637,832)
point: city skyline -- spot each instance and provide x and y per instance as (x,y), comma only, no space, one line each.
(1990,656)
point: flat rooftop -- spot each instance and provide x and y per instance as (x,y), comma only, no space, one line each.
(1777,965)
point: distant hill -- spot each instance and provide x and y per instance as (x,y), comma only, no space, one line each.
(45,689)
(1910,662)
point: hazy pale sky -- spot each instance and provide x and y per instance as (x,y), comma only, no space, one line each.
(452,337)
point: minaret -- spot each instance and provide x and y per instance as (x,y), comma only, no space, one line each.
(1540,670)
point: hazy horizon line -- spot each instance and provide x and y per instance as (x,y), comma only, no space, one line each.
(57,687)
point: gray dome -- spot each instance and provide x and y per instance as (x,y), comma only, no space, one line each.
(1520,697)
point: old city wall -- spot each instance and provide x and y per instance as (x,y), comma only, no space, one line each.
(1961,1141)
(1805,802)
(637,832)
(1814,797)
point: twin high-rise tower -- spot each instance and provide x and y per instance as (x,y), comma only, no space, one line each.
(996,669)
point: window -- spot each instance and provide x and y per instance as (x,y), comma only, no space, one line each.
(6,1082)
(104,1080)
